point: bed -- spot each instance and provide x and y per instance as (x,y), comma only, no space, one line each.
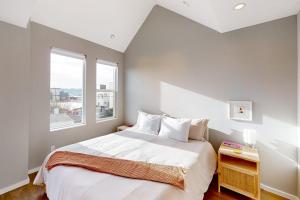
(72,183)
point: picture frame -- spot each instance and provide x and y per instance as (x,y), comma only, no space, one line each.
(240,110)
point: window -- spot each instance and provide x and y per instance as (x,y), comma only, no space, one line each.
(67,93)
(106,90)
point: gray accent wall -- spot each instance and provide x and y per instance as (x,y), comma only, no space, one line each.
(14,103)
(40,139)
(25,138)
(182,68)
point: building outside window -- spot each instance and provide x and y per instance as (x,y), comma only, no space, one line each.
(106,90)
(67,89)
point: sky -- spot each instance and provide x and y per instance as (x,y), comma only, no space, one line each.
(67,72)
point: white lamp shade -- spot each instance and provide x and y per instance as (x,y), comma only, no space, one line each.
(249,136)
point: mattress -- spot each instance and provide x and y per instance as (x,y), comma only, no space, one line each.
(72,183)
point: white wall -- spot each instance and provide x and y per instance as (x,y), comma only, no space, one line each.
(185,69)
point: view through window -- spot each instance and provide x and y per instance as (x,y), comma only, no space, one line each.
(106,90)
(66,89)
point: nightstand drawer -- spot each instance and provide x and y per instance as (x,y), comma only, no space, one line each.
(242,182)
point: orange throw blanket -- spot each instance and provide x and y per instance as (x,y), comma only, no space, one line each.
(119,167)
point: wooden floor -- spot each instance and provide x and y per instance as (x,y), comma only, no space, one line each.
(27,192)
(31,192)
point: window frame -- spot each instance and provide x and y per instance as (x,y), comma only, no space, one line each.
(75,55)
(116,83)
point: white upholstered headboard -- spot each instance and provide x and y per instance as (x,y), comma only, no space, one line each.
(206,134)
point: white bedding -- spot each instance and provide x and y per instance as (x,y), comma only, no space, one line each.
(71,183)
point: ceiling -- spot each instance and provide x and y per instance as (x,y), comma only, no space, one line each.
(16,12)
(97,20)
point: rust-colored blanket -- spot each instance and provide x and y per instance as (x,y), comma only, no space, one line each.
(119,167)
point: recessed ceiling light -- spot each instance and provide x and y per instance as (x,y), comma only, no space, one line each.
(112,36)
(239,6)
(186,3)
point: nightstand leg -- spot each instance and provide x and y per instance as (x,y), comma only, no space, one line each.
(219,171)
(219,186)
(258,181)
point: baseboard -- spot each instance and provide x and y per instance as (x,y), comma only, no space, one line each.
(278,192)
(14,186)
(36,169)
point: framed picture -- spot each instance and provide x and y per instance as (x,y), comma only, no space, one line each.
(240,110)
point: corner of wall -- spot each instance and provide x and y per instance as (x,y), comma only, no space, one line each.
(298,100)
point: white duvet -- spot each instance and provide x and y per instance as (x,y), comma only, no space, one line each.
(72,183)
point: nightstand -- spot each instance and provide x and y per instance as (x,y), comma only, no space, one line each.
(123,127)
(239,172)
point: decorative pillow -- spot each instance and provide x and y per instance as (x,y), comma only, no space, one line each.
(198,129)
(177,129)
(148,123)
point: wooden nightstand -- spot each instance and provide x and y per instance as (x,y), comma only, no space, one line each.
(239,172)
(123,127)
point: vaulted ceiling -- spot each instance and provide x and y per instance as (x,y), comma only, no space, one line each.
(114,23)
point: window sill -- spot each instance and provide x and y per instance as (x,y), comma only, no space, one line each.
(66,128)
(106,119)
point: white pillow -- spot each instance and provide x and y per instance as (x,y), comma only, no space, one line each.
(198,129)
(177,129)
(148,123)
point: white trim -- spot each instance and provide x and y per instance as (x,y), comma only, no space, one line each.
(53,130)
(14,186)
(278,192)
(106,119)
(64,52)
(36,169)
(104,62)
